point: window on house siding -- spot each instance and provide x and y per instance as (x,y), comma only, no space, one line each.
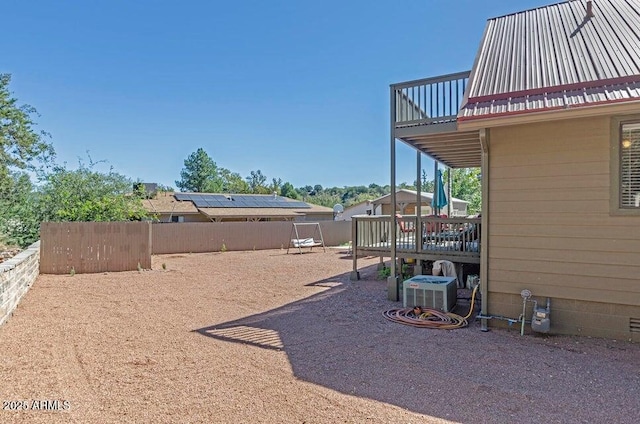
(630,165)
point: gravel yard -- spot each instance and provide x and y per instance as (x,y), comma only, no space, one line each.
(263,336)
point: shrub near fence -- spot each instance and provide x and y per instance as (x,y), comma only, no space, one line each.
(16,277)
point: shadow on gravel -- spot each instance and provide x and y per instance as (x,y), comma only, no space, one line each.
(339,339)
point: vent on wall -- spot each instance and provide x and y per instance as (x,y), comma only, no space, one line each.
(634,325)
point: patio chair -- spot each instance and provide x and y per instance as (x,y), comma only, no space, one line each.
(402,227)
(432,227)
(469,238)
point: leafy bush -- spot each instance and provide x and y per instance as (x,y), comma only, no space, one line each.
(384,273)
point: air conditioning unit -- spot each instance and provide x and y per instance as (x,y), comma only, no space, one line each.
(429,291)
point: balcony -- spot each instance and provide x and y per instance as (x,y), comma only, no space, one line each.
(428,238)
(424,115)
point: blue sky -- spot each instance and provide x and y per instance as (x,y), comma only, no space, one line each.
(297,89)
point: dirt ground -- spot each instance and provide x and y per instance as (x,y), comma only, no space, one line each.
(267,337)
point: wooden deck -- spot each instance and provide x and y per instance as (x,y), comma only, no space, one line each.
(453,239)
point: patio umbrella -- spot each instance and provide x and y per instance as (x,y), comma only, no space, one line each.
(440,200)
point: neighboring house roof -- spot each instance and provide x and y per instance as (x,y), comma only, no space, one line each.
(250,212)
(245,205)
(428,197)
(316,209)
(556,57)
(165,203)
(356,205)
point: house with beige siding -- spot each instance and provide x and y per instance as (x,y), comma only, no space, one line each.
(361,208)
(406,204)
(550,111)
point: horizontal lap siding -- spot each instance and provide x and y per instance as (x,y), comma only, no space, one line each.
(550,227)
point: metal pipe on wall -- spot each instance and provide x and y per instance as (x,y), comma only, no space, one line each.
(484,227)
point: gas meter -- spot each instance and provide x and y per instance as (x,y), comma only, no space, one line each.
(540,321)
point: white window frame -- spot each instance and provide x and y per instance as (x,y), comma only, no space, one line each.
(619,142)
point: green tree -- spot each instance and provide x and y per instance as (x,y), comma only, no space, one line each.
(428,185)
(466,185)
(276,185)
(21,148)
(19,211)
(289,191)
(20,144)
(232,182)
(256,181)
(406,186)
(200,174)
(88,195)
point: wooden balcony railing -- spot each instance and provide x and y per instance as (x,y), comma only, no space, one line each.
(430,237)
(428,101)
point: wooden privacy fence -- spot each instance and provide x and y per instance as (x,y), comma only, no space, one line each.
(123,246)
(211,236)
(94,246)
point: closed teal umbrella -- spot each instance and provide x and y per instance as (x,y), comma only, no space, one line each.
(440,199)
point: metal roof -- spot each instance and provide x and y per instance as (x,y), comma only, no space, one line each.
(556,57)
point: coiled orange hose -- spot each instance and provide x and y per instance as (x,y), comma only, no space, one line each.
(430,318)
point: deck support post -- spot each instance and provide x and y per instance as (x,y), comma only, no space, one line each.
(355,275)
(417,269)
(392,281)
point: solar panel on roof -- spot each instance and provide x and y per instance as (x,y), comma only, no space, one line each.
(209,200)
(303,205)
(182,196)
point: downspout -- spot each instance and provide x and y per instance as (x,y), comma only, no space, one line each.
(355,275)
(392,280)
(484,230)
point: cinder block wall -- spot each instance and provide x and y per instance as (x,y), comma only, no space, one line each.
(573,317)
(16,276)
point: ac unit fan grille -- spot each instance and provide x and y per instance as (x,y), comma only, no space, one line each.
(430,292)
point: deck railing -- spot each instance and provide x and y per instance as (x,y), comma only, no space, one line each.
(430,237)
(430,100)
